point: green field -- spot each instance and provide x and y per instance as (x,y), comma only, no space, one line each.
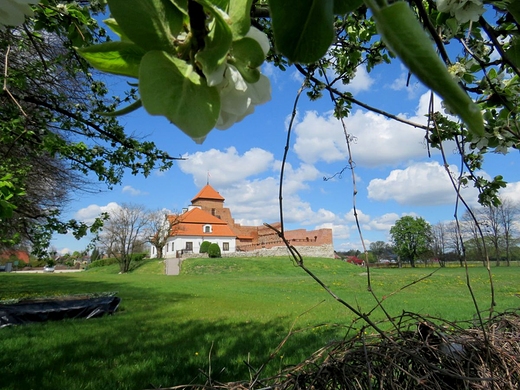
(214,316)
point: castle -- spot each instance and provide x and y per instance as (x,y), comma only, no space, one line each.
(208,220)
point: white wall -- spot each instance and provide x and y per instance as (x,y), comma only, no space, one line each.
(179,243)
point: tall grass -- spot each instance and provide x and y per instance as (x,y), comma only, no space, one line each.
(217,313)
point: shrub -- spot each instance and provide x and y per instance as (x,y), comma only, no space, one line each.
(204,247)
(214,250)
(103,262)
(138,256)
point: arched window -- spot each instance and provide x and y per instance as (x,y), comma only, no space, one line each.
(207,229)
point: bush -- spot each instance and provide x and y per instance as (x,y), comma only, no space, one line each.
(139,256)
(204,247)
(214,250)
(103,262)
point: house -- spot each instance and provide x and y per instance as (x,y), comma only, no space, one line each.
(355,260)
(15,255)
(196,226)
(206,219)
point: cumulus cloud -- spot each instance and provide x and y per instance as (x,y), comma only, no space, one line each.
(420,184)
(339,231)
(382,223)
(375,140)
(132,191)
(361,82)
(88,214)
(225,167)
(405,82)
(511,192)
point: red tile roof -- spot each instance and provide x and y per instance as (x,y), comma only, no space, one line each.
(193,222)
(208,192)
(19,254)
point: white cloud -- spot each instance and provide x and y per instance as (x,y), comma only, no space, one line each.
(132,191)
(361,81)
(404,82)
(339,232)
(382,223)
(511,192)
(377,141)
(421,184)
(88,214)
(225,168)
(362,217)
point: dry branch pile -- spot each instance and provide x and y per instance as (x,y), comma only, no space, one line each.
(417,353)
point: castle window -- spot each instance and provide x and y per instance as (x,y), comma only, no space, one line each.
(225,246)
(189,246)
(207,228)
(212,211)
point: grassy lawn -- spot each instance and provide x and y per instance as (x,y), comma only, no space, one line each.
(235,310)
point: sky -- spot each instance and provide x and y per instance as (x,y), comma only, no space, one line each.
(394,174)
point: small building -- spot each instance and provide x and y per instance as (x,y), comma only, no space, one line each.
(206,219)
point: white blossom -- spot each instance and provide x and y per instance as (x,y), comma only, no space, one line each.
(238,98)
(462,10)
(457,70)
(13,12)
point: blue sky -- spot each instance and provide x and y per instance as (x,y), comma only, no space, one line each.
(394,175)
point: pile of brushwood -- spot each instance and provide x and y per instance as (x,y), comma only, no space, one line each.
(417,353)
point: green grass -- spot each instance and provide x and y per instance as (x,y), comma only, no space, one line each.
(234,309)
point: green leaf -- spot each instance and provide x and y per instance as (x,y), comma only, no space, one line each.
(122,58)
(239,12)
(172,88)
(514,9)
(182,5)
(303,29)
(217,42)
(126,110)
(114,27)
(151,24)
(513,53)
(247,57)
(402,32)
(342,7)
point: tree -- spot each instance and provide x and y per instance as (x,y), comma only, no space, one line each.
(380,249)
(508,212)
(161,225)
(53,131)
(439,242)
(455,242)
(124,233)
(493,229)
(412,238)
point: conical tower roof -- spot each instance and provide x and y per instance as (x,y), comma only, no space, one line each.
(207,193)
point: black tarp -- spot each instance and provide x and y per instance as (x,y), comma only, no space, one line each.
(56,309)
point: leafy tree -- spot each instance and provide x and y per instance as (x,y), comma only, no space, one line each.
(123,234)
(52,131)
(380,249)
(95,255)
(412,237)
